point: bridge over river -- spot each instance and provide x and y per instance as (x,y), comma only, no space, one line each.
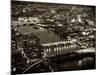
(64,47)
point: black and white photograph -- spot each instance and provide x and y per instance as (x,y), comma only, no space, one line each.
(52,37)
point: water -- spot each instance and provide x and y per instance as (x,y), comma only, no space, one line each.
(82,64)
(66,65)
(45,36)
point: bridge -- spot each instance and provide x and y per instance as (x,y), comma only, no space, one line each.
(20,24)
(60,48)
(64,47)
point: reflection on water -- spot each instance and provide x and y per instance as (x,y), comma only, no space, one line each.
(65,65)
(45,35)
(84,63)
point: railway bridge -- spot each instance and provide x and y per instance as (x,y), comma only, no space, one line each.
(64,47)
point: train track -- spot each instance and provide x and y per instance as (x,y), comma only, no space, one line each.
(36,63)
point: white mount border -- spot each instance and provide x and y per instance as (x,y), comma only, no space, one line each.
(76,2)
